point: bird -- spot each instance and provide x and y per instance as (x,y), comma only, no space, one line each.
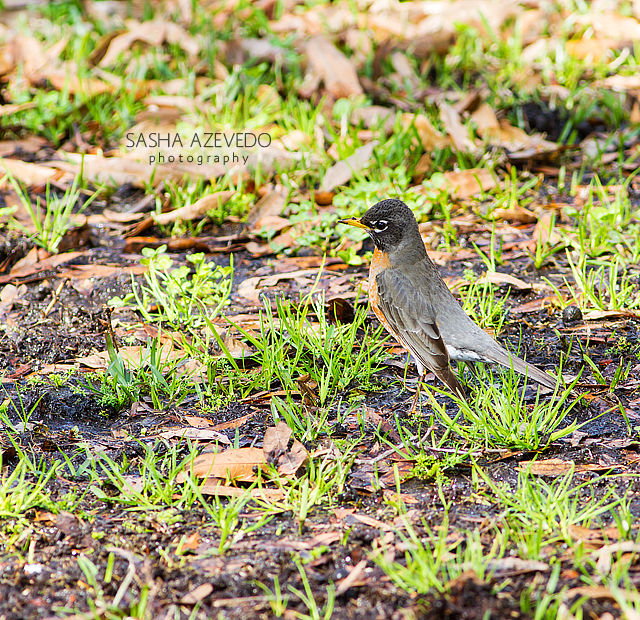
(410,298)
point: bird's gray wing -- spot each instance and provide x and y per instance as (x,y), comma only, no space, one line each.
(412,317)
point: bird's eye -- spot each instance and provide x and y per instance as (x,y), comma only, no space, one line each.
(380,226)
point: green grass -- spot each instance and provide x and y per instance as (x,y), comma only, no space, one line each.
(321,369)
(297,343)
(497,415)
(53,219)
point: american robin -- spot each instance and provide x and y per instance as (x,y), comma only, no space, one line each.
(412,301)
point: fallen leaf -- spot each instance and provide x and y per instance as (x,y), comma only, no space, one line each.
(31,175)
(213,486)
(291,461)
(429,136)
(610,24)
(321,540)
(276,441)
(22,270)
(589,592)
(373,116)
(463,184)
(598,535)
(135,356)
(516,566)
(81,272)
(604,554)
(200,434)
(370,521)
(596,315)
(196,595)
(265,214)
(9,295)
(354,578)
(458,133)
(153,33)
(560,467)
(515,213)
(235,423)
(196,210)
(333,67)
(235,464)
(497,277)
(341,172)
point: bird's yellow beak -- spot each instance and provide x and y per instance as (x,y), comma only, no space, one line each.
(352,221)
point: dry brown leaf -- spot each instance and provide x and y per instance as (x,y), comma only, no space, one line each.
(199,434)
(214,486)
(619,82)
(265,214)
(592,50)
(560,467)
(237,348)
(341,172)
(404,70)
(116,216)
(545,233)
(276,441)
(277,452)
(291,461)
(463,184)
(429,136)
(125,170)
(374,115)
(597,536)
(248,288)
(514,213)
(198,422)
(458,133)
(111,170)
(589,592)
(196,210)
(334,68)
(371,522)
(67,79)
(134,356)
(516,566)
(14,108)
(324,539)
(197,594)
(604,554)
(535,305)
(611,25)
(9,295)
(236,464)
(153,33)
(81,272)
(356,577)
(513,139)
(23,269)
(496,277)
(596,315)
(235,423)
(29,174)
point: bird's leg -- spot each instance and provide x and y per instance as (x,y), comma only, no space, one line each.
(416,398)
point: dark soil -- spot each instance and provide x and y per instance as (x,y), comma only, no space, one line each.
(166,554)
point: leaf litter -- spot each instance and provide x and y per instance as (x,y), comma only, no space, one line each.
(281,201)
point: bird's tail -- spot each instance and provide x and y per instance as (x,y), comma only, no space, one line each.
(531,371)
(446,375)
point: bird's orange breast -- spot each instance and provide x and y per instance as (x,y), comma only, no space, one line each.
(379,262)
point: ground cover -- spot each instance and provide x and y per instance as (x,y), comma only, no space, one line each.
(201,417)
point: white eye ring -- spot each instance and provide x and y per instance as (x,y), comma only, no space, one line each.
(381,226)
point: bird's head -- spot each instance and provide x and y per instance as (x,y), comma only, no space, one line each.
(389,223)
